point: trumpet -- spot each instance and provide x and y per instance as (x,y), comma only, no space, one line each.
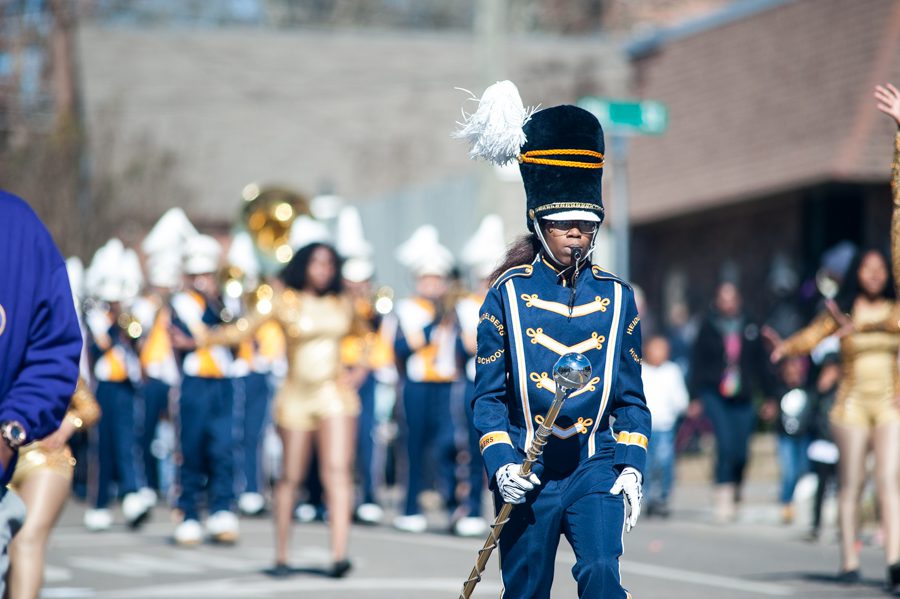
(383,301)
(129,323)
(235,285)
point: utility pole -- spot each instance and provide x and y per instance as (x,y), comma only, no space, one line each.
(622,119)
(620,203)
(490,33)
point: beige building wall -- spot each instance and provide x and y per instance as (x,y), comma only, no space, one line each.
(365,115)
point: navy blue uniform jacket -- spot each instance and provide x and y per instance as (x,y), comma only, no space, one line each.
(40,340)
(524,327)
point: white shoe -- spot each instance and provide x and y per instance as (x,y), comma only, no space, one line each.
(135,509)
(470,526)
(223,527)
(251,504)
(305,512)
(149,495)
(98,520)
(415,523)
(370,513)
(189,533)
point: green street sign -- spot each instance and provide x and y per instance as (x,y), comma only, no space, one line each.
(646,117)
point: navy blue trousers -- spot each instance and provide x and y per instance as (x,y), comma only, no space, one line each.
(252,410)
(733,423)
(115,440)
(207,458)
(579,506)
(365,440)
(429,433)
(476,468)
(156,405)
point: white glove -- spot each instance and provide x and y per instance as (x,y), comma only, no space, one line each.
(98,322)
(512,485)
(629,482)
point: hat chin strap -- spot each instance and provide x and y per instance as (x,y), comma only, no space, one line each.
(585,259)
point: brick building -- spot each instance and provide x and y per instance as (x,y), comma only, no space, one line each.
(774,144)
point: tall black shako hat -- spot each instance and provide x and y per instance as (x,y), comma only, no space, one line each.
(562,162)
(559,151)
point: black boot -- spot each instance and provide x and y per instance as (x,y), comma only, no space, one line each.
(893,579)
(340,568)
(848,577)
(279,570)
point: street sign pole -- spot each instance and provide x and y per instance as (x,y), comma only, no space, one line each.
(622,119)
(620,203)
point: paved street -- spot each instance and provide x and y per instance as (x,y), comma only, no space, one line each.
(683,557)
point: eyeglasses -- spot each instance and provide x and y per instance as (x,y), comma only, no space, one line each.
(561,227)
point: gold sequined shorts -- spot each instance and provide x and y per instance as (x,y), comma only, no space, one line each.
(305,411)
(34,458)
(865,411)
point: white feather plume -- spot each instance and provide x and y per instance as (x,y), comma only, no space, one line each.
(494,130)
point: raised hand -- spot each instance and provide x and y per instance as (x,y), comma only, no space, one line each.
(888,101)
(775,342)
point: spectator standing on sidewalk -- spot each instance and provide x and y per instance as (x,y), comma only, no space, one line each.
(793,424)
(667,398)
(729,369)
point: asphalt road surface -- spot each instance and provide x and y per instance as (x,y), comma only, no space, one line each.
(684,556)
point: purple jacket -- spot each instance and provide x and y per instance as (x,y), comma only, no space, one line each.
(40,340)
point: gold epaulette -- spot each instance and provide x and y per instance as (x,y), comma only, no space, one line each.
(601,274)
(523,270)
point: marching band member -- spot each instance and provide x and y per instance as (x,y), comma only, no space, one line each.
(369,349)
(317,401)
(257,360)
(162,248)
(205,405)
(114,277)
(547,300)
(426,352)
(482,253)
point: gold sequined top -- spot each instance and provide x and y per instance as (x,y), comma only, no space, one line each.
(869,354)
(83,413)
(314,327)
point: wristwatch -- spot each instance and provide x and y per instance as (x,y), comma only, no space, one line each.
(13,433)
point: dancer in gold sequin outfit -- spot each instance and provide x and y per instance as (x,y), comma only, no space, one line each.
(43,479)
(866,318)
(318,400)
